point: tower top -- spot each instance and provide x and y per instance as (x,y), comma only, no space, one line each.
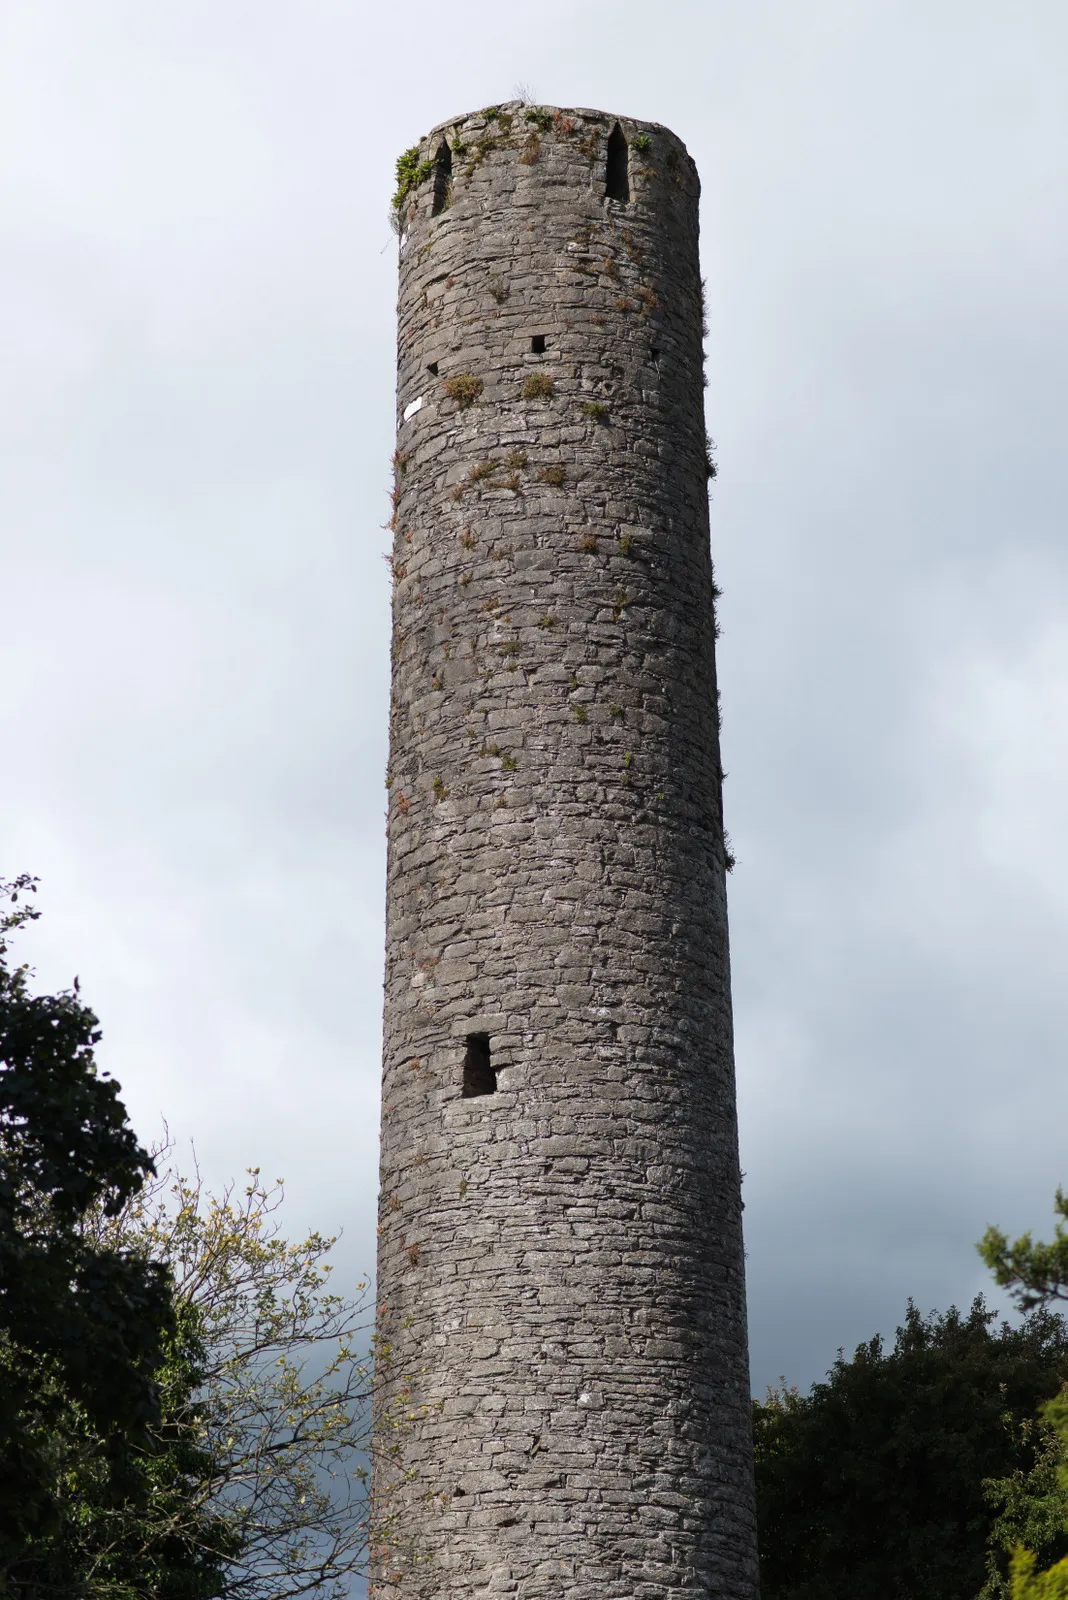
(628,154)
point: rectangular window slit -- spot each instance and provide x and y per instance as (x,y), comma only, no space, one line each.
(480,1076)
(537,344)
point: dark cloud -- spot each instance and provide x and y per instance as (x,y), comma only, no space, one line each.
(197,285)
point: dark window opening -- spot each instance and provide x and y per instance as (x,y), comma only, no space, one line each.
(537,344)
(442,178)
(617,179)
(432,368)
(654,356)
(479,1076)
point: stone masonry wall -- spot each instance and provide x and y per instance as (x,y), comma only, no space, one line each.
(563,1402)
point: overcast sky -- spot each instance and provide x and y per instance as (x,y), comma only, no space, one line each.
(197,288)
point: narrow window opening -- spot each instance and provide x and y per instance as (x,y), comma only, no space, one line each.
(480,1077)
(653,354)
(617,180)
(537,344)
(432,367)
(442,179)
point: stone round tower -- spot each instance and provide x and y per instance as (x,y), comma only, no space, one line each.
(563,1402)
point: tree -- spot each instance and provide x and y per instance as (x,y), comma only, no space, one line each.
(871,1486)
(1034,1274)
(278,1415)
(1034,1518)
(183,1413)
(84,1323)
(164,1543)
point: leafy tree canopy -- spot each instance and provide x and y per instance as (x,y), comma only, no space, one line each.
(871,1487)
(276,1425)
(82,1324)
(1034,1273)
(1033,1506)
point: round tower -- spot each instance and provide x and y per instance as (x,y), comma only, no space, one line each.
(562,1383)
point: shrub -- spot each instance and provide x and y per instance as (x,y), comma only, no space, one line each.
(464,388)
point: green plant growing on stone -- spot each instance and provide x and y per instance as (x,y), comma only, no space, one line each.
(539,386)
(581,713)
(625,544)
(642,142)
(498,289)
(596,410)
(464,388)
(542,120)
(440,788)
(482,471)
(516,460)
(411,172)
(482,147)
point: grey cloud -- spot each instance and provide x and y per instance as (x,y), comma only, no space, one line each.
(197,283)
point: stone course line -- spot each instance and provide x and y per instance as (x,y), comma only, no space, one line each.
(562,1380)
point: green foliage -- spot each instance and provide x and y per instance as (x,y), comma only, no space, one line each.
(1033,1519)
(464,388)
(411,172)
(539,386)
(542,120)
(1027,1584)
(165,1544)
(1030,1504)
(273,1410)
(642,142)
(1034,1273)
(871,1486)
(83,1325)
(596,410)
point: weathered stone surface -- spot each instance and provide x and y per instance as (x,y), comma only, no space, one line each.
(563,1403)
